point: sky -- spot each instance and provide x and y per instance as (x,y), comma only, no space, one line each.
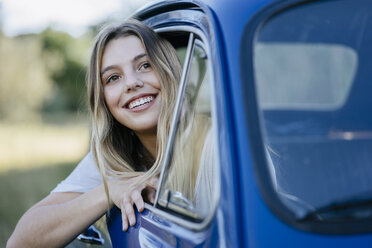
(72,16)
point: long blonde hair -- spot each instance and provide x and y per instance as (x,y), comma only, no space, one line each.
(115,147)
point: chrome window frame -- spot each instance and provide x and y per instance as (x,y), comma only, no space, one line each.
(176,115)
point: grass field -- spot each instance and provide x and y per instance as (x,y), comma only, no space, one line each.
(34,157)
(30,145)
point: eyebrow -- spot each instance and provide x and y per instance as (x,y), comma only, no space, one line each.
(137,57)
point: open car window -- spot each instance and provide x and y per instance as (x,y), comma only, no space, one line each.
(188,185)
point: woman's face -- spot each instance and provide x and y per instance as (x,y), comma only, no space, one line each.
(131,86)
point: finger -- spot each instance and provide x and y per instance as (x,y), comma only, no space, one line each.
(130,214)
(138,200)
(124,219)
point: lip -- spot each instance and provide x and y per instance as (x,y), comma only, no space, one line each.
(143,107)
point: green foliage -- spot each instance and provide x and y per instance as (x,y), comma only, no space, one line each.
(42,73)
(55,41)
(24,80)
(64,55)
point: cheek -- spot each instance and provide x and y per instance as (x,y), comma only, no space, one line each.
(154,81)
(112,96)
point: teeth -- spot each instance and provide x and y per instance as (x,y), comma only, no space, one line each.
(140,101)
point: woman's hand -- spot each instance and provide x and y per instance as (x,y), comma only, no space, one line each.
(125,193)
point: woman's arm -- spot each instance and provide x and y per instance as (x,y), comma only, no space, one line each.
(58,219)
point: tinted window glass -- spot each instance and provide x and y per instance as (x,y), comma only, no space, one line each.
(312,66)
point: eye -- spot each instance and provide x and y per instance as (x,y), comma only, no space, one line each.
(112,78)
(145,66)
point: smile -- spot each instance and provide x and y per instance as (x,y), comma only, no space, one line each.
(140,102)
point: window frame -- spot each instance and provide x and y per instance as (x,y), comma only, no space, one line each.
(177,218)
(252,114)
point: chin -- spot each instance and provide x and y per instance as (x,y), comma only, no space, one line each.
(146,126)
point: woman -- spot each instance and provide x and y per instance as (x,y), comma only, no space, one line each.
(132,85)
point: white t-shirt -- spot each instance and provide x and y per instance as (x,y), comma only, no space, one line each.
(83,178)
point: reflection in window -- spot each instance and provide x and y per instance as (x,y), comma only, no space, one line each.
(188,185)
(304,76)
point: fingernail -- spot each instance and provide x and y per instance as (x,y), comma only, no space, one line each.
(132,221)
(125,227)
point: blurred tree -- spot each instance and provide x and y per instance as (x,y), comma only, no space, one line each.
(64,57)
(24,80)
(42,73)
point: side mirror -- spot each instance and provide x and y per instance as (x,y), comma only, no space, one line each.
(91,236)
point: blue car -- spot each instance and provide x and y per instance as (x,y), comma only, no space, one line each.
(287,160)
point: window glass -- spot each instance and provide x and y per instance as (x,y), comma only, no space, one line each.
(312,72)
(187,186)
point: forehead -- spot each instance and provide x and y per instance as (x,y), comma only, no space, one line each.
(122,50)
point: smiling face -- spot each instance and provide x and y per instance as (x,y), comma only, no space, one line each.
(131,86)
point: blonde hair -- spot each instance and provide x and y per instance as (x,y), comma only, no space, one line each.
(187,154)
(114,146)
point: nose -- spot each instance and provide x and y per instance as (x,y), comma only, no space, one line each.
(132,82)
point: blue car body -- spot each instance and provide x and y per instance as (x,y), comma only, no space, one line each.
(248,214)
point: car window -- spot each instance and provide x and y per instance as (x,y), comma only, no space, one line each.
(188,180)
(312,77)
